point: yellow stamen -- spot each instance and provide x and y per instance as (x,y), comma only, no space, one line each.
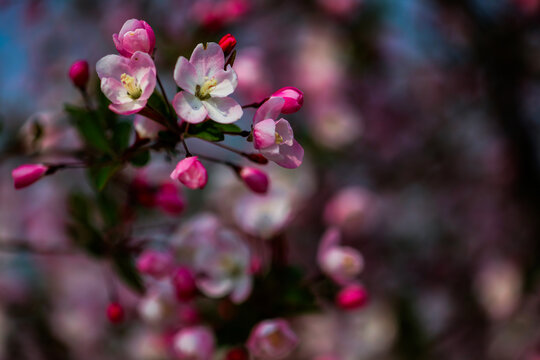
(279,139)
(276,339)
(203,92)
(349,264)
(130,84)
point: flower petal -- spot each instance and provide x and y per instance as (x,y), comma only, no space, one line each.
(264,134)
(207,61)
(269,110)
(242,289)
(147,84)
(283,128)
(112,66)
(226,82)
(140,64)
(289,157)
(215,287)
(185,75)
(223,110)
(128,108)
(114,91)
(189,108)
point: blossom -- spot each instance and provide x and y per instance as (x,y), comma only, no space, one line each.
(194,343)
(275,139)
(341,263)
(352,297)
(127,82)
(26,175)
(351,209)
(206,87)
(78,73)
(135,35)
(255,179)
(272,339)
(147,128)
(191,173)
(294,99)
(169,199)
(224,265)
(155,263)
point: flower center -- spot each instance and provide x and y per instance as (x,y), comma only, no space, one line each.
(279,139)
(349,264)
(203,92)
(276,339)
(130,84)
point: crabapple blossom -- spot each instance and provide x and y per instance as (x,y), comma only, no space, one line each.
(341,263)
(194,343)
(272,339)
(147,128)
(224,265)
(255,179)
(227,43)
(135,35)
(191,173)
(26,175)
(78,73)
(127,82)
(169,199)
(352,297)
(155,263)
(275,139)
(206,87)
(294,99)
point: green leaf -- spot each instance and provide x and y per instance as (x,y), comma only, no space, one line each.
(208,130)
(80,227)
(125,268)
(88,127)
(121,135)
(228,128)
(141,159)
(157,102)
(101,175)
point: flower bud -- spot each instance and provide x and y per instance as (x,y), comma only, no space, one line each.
(169,199)
(237,354)
(294,99)
(227,43)
(115,313)
(184,284)
(78,73)
(135,35)
(255,179)
(154,263)
(194,343)
(272,339)
(257,158)
(28,174)
(352,297)
(191,173)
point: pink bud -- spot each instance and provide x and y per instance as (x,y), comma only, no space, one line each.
(191,173)
(272,339)
(28,174)
(184,284)
(78,73)
(352,297)
(169,199)
(293,97)
(115,313)
(135,35)
(227,43)
(255,179)
(155,263)
(194,343)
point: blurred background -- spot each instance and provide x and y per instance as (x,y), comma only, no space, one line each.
(421,130)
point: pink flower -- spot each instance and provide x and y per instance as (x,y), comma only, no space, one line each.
(341,263)
(191,173)
(184,284)
(78,73)
(127,82)
(28,174)
(272,339)
(275,139)
(352,208)
(169,199)
(206,87)
(135,35)
(352,297)
(227,43)
(255,179)
(294,99)
(155,263)
(194,343)
(147,128)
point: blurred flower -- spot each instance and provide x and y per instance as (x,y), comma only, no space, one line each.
(157,306)
(334,125)
(194,343)
(294,99)
(147,128)
(26,175)
(184,284)
(127,82)
(351,209)
(147,345)
(155,263)
(253,79)
(352,297)
(135,35)
(46,131)
(255,179)
(272,339)
(341,263)
(191,173)
(169,199)
(115,313)
(78,73)
(275,139)
(340,7)
(206,87)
